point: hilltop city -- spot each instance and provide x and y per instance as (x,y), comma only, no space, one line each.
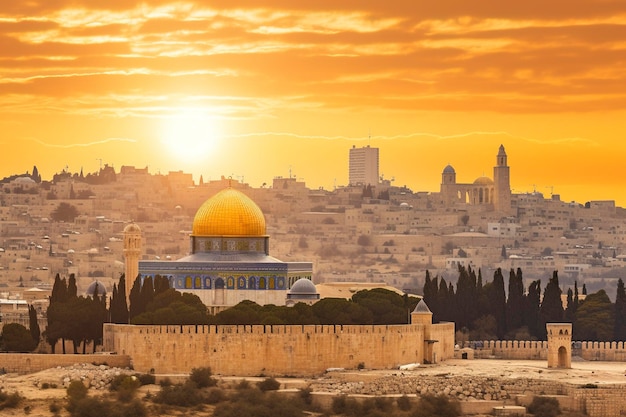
(369,231)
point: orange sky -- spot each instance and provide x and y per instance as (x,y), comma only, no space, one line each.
(255,91)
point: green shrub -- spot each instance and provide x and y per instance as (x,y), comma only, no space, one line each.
(544,407)
(215,395)
(404,403)
(126,387)
(146,379)
(54,407)
(440,405)
(383,403)
(305,395)
(268,384)
(76,390)
(202,377)
(243,385)
(338,406)
(9,400)
(96,407)
(184,395)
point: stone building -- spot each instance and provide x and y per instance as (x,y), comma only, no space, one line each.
(491,193)
(229,260)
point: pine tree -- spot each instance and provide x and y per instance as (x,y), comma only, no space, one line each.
(620,312)
(584,289)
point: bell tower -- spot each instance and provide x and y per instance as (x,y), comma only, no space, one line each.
(502,183)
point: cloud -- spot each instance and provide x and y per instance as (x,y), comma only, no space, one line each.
(82,145)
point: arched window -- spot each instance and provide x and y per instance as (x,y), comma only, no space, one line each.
(262,284)
(252,283)
(187,282)
(219,284)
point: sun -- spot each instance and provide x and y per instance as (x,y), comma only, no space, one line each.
(190,135)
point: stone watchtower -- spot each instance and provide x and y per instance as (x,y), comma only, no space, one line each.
(422,315)
(132,251)
(559,345)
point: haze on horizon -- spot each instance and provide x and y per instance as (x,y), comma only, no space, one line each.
(257,92)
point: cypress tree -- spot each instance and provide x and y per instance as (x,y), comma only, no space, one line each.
(619,333)
(515,301)
(551,310)
(569,316)
(35,331)
(134,297)
(532,305)
(498,303)
(72,289)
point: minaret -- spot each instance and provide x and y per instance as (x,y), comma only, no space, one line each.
(132,251)
(502,183)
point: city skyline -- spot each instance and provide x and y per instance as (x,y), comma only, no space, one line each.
(288,89)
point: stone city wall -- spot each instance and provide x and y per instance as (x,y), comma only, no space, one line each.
(24,363)
(538,350)
(297,350)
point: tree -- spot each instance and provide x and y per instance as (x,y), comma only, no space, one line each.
(532,306)
(551,310)
(118,306)
(134,298)
(35,331)
(64,212)
(515,301)
(17,338)
(497,301)
(387,307)
(595,318)
(619,333)
(174,307)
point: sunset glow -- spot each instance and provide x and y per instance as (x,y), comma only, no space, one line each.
(251,90)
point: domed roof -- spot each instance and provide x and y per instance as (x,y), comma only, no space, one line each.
(303,286)
(24,180)
(229,213)
(483,181)
(92,289)
(449,170)
(132,228)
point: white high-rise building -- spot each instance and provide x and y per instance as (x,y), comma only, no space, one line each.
(363,166)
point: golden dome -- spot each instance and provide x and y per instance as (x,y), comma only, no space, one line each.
(229,213)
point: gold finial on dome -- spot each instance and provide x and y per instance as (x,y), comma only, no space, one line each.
(229,213)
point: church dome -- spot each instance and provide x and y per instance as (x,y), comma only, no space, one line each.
(229,213)
(483,181)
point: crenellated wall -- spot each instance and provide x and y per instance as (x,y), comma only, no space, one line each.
(523,350)
(297,350)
